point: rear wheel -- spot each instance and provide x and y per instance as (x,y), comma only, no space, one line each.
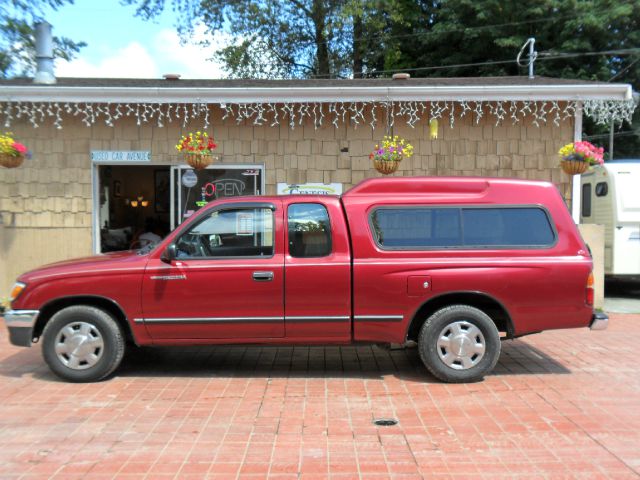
(459,344)
(82,344)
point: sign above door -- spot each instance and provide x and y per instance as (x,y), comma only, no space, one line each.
(120,156)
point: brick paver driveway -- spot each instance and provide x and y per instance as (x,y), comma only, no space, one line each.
(562,404)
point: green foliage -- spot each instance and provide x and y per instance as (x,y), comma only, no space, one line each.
(17,41)
(292,39)
(570,36)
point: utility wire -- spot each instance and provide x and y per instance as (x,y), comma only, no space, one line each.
(551,55)
(549,18)
(627,133)
(547,56)
(624,69)
(468,29)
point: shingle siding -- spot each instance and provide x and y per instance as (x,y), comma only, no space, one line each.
(46,203)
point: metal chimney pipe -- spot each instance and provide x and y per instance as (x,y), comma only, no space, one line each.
(44,54)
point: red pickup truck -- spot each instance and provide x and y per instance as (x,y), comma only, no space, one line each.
(454,264)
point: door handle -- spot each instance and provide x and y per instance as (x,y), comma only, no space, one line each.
(263,276)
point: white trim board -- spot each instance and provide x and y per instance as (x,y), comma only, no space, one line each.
(564,92)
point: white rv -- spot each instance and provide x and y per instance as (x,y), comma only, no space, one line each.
(611,197)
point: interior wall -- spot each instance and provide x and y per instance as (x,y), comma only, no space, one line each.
(126,183)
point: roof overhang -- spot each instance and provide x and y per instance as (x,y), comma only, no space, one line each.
(88,94)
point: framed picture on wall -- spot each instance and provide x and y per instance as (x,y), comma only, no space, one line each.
(161,191)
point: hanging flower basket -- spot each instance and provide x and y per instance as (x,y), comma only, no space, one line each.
(12,153)
(199,161)
(574,167)
(576,158)
(386,167)
(11,161)
(198,149)
(387,158)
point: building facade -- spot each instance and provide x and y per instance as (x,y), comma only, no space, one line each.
(104,165)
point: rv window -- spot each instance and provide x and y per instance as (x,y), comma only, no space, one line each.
(602,188)
(586,200)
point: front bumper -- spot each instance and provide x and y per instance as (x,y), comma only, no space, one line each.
(20,324)
(599,321)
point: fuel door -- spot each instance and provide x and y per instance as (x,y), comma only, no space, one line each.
(418,285)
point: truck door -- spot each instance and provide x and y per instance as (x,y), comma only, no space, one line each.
(317,272)
(227,280)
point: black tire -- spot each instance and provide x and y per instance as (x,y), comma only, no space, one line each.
(443,360)
(94,338)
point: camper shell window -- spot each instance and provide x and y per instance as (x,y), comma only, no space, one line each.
(420,228)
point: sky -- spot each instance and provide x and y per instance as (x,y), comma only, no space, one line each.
(120,45)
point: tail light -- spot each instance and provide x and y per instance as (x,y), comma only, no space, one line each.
(590,291)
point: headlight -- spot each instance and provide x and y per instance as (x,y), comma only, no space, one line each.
(17,289)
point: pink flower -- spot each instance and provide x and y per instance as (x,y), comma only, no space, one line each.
(18,147)
(589,152)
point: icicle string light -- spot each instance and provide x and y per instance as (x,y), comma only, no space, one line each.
(319,114)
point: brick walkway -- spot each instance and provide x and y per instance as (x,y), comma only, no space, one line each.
(563,404)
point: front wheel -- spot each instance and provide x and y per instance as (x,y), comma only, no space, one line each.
(82,344)
(459,344)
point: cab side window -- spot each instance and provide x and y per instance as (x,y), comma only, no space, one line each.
(309,230)
(240,232)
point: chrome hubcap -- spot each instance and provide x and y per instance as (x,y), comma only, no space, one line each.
(79,345)
(461,345)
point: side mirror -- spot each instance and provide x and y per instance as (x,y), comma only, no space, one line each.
(169,253)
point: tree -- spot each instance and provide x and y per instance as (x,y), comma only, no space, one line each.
(571,38)
(287,39)
(17,41)
(446,38)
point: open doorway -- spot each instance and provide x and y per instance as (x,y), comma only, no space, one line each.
(134,205)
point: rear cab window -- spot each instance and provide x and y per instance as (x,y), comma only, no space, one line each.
(449,227)
(309,230)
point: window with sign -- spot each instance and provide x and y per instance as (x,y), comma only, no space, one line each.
(239,232)
(196,189)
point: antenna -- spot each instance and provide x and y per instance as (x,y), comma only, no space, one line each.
(532,55)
